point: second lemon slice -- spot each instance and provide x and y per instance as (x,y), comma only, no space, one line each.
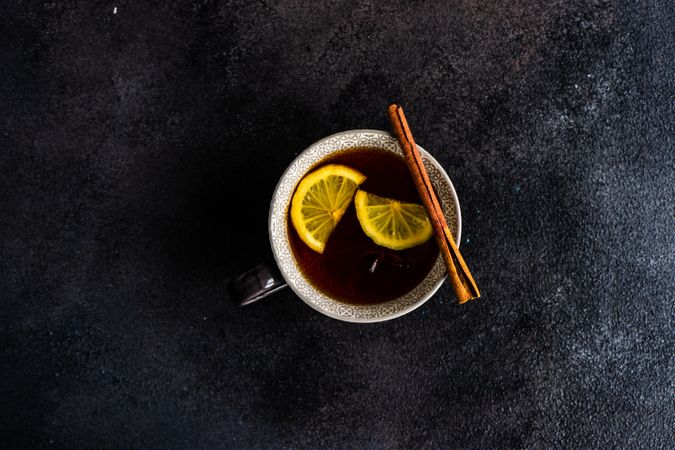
(391,223)
(320,201)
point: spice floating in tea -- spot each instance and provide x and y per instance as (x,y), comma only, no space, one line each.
(353,268)
(381,259)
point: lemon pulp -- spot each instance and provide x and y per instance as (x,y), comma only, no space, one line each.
(391,223)
(320,201)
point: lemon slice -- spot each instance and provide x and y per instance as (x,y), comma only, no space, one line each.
(391,223)
(320,201)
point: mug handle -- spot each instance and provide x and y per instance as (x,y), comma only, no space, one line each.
(255,284)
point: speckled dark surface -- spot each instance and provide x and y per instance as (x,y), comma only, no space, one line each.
(139,147)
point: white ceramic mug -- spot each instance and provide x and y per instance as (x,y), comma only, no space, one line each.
(268,278)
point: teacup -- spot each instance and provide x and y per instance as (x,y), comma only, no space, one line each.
(270,277)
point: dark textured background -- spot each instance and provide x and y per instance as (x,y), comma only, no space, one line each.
(139,150)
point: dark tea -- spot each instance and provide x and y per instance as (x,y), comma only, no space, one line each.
(352,268)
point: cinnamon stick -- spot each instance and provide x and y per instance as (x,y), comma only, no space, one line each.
(460,278)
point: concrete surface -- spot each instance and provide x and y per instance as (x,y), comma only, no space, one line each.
(139,146)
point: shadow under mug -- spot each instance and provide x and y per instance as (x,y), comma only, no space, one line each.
(271,276)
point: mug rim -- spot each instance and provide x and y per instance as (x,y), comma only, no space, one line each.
(283,265)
